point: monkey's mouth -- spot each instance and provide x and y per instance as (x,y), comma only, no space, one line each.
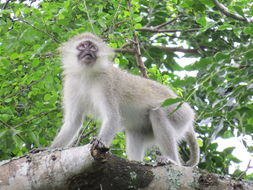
(87,57)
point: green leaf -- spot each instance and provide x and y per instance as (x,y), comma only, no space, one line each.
(225,27)
(47,97)
(239,10)
(171,101)
(249,54)
(202,21)
(228,150)
(8,100)
(227,134)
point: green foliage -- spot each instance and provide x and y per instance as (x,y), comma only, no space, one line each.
(221,93)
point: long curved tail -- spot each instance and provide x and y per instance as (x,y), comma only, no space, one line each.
(194,149)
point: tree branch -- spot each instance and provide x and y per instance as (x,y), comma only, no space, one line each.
(171,49)
(6,4)
(178,49)
(154,30)
(166,23)
(120,50)
(38,29)
(86,168)
(225,11)
(141,65)
(137,48)
(35,117)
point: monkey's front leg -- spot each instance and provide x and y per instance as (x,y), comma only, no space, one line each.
(73,120)
(109,128)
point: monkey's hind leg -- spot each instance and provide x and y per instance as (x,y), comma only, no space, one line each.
(134,145)
(165,136)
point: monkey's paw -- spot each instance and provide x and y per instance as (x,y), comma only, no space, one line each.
(98,149)
(162,160)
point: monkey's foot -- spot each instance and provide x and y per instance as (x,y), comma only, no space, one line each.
(162,160)
(98,149)
(37,150)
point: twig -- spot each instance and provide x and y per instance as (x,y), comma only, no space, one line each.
(245,172)
(53,37)
(18,135)
(81,137)
(127,44)
(35,117)
(225,11)
(5,124)
(171,49)
(178,49)
(86,10)
(166,23)
(6,4)
(138,56)
(154,30)
(138,49)
(120,50)
(81,133)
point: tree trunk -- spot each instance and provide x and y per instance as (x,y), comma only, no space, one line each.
(84,168)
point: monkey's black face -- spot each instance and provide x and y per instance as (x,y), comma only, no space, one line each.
(87,52)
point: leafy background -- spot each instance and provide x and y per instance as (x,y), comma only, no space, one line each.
(221,47)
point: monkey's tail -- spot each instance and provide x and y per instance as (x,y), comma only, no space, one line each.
(194,149)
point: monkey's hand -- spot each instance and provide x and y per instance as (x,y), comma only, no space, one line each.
(162,160)
(98,149)
(37,150)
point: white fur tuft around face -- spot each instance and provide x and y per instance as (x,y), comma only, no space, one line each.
(69,51)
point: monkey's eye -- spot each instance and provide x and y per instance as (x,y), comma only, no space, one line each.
(93,48)
(82,46)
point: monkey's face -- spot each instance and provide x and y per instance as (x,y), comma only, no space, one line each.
(87,52)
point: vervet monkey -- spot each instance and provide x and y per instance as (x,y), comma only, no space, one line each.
(92,85)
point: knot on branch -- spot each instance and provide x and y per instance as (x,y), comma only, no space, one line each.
(206,180)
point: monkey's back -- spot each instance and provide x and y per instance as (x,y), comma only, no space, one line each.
(140,90)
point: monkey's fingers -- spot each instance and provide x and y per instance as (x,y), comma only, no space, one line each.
(162,160)
(98,149)
(99,144)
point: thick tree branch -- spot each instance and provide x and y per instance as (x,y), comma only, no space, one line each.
(85,168)
(225,11)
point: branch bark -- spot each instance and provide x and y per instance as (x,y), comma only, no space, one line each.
(225,11)
(76,168)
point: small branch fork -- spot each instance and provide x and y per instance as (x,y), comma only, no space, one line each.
(225,11)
